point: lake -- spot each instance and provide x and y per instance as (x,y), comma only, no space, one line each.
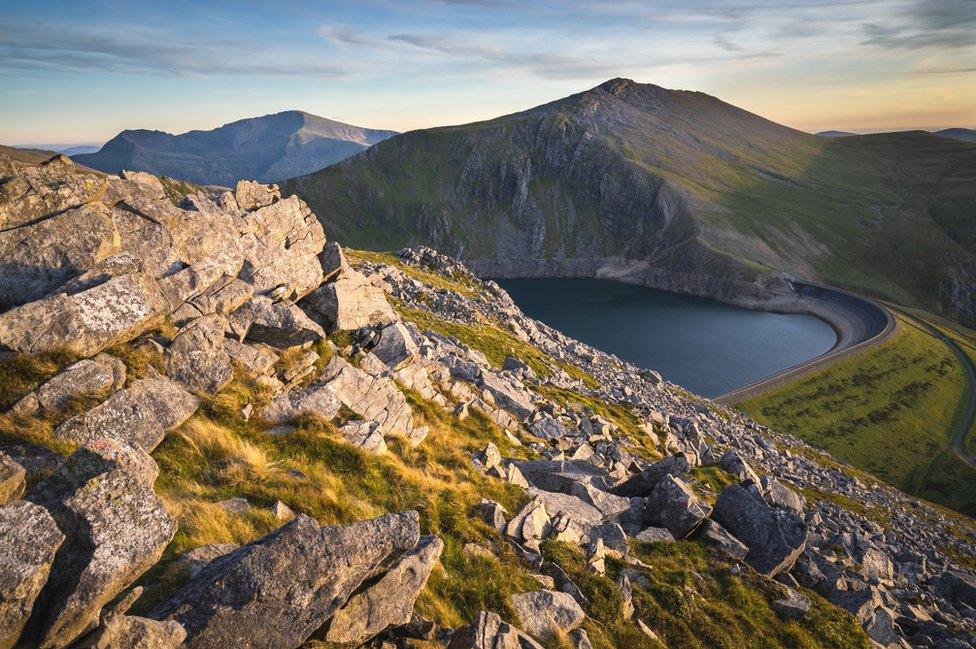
(702,345)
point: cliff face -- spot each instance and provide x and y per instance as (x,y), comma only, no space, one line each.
(687,192)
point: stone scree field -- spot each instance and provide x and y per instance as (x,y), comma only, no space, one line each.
(220,429)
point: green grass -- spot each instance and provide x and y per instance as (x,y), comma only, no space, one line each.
(694,601)
(888,411)
(463,286)
(176,190)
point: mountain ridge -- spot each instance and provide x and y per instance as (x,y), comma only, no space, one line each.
(671,189)
(269,148)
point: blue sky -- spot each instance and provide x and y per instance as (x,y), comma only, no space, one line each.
(73,72)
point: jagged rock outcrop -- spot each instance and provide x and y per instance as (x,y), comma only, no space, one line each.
(278,590)
(375,398)
(388,601)
(348,303)
(673,505)
(29,539)
(488,631)
(139,415)
(115,528)
(118,630)
(197,357)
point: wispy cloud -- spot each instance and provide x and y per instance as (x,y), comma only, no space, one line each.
(930,23)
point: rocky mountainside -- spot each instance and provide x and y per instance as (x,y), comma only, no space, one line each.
(221,429)
(268,148)
(671,189)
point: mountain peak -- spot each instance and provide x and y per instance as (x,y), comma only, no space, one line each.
(618,85)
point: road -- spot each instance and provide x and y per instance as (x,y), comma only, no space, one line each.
(859,323)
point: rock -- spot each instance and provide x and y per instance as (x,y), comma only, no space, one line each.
(583,513)
(608,504)
(644,482)
(779,495)
(553,475)
(957,587)
(388,601)
(250,195)
(859,603)
(348,303)
(395,346)
(12,477)
(881,627)
(115,529)
(775,537)
(580,639)
(489,457)
(235,505)
(281,249)
(530,525)
(118,630)
(333,262)
(317,399)
(279,324)
(222,298)
(366,435)
(546,613)
(197,357)
(493,513)
(101,374)
(716,536)
(675,506)
(87,322)
(792,607)
(514,398)
(654,535)
(548,428)
(198,558)
(140,415)
(256,359)
(278,590)
(732,462)
(488,631)
(29,539)
(374,398)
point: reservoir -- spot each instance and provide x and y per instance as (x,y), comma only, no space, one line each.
(702,345)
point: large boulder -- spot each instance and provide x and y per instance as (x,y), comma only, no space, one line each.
(197,357)
(775,537)
(118,630)
(374,398)
(348,303)
(673,505)
(488,631)
(395,346)
(509,394)
(12,479)
(547,613)
(643,483)
(278,590)
(29,539)
(115,528)
(957,587)
(318,399)
(388,601)
(279,324)
(103,373)
(140,415)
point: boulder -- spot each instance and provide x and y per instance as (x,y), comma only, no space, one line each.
(488,631)
(197,357)
(198,558)
(548,428)
(675,506)
(250,195)
(792,607)
(732,462)
(388,601)
(561,475)
(118,630)
(779,495)
(655,535)
(317,399)
(957,587)
(140,415)
(87,322)
(547,613)
(715,536)
(395,346)
(12,477)
(608,504)
(115,529)
(775,537)
(510,395)
(29,539)
(644,482)
(103,373)
(348,303)
(281,248)
(279,324)
(530,525)
(365,435)
(333,262)
(278,590)
(374,398)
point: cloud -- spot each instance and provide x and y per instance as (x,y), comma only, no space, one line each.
(346,35)
(943,24)
(38,46)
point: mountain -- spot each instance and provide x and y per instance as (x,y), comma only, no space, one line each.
(267,148)
(24,154)
(835,134)
(671,189)
(964,134)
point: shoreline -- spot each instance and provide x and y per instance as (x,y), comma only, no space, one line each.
(858,322)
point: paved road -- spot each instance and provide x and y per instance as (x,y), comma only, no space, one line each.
(966,422)
(858,322)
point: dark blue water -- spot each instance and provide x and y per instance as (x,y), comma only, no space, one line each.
(702,345)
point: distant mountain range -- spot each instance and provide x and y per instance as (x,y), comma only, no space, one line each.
(671,189)
(965,134)
(268,148)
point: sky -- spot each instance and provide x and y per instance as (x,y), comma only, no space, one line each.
(81,71)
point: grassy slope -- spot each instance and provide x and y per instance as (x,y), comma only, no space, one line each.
(694,600)
(888,411)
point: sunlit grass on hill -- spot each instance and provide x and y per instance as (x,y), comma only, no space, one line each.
(888,410)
